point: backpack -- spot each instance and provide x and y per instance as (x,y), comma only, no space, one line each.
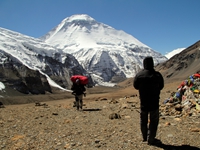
(83,79)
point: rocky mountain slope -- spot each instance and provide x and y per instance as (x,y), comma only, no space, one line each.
(182,65)
(29,65)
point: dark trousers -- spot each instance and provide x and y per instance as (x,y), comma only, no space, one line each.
(79,101)
(149,130)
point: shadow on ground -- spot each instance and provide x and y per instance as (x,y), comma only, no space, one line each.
(92,109)
(172,147)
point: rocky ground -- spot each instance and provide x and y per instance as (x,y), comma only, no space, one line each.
(109,121)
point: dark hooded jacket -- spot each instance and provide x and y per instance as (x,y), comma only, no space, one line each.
(149,83)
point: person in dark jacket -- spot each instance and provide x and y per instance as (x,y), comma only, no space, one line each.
(78,90)
(149,83)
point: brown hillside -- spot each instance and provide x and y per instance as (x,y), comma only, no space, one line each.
(182,65)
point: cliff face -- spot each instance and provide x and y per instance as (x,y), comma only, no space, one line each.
(21,78)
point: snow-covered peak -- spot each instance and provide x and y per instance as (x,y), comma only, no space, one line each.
(174,52)
(82,31)
(81,17)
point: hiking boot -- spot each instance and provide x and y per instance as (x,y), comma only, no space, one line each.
(154,142)
(144,140)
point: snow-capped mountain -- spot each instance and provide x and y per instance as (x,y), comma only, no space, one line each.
(108,54)
(174,52)
(26,60)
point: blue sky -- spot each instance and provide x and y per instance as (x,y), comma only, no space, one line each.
(163,25)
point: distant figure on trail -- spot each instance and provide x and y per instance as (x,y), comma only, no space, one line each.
(78,90)
(149,83)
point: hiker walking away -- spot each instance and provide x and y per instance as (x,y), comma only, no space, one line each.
(149,83)
(78,90)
